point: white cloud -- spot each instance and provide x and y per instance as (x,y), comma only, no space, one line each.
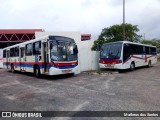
(87,16)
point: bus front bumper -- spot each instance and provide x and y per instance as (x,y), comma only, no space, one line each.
(110,66)
(57,71)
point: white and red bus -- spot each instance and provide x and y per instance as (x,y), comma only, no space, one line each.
(127,55)
(50,55)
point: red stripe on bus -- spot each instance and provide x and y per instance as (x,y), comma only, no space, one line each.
(138,58)
(42,63)
(113,61)
(30,63)
(65,64)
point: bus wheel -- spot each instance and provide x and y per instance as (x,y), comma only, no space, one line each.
(12,68)
(37,72)
(149,64)
(132,66)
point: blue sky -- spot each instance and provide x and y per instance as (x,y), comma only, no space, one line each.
(86,16)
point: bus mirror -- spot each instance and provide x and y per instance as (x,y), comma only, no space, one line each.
(75,50)
(98,47)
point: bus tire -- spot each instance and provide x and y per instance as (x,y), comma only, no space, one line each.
(132,66)
(37,72)
(149,64)
(12,68)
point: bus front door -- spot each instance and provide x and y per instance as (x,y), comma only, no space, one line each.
(45,56)
(22,59)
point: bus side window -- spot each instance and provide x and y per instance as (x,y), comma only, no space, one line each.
(16,54)
(126,52)
(140,49)
(12,52)
(22,52)
(146,50)
(29,49)
(153,51)
(134,49)
(4,54)
(37,48)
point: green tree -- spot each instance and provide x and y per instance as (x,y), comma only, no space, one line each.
(153,42)
(115,33)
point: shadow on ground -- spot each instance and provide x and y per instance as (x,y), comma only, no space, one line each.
(46,77)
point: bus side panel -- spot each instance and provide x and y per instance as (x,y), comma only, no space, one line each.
(4,63)
(126,65)
(5,59)
(138,60)
(153,59)
(29,63)
(15,61)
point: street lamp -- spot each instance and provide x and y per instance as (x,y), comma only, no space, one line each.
(123,20)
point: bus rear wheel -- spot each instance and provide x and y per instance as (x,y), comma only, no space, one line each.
(37,72)
(132,66)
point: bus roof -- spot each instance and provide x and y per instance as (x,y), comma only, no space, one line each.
(130,43)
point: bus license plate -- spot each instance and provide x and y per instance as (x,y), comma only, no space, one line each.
(109,65)
(67,71)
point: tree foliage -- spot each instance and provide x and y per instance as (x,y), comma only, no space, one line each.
(153,42)
(115,33)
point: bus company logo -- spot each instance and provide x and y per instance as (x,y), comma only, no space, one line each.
(6,114)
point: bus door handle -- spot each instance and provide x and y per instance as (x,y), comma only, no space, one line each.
(24,58)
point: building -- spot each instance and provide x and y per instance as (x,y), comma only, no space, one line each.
(10,37)
(88,59)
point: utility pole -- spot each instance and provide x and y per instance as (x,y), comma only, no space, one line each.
(144,36)
(123,20)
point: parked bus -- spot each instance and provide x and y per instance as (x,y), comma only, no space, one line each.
(50,55)
(126,55)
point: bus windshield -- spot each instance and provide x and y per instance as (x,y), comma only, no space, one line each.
(63,51)
(112,50)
